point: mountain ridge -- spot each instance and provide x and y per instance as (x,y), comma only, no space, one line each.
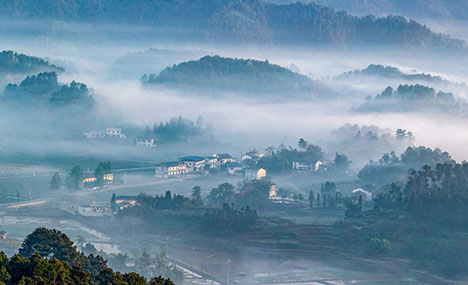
(248,21)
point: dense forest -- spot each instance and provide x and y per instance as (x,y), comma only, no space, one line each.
(434,9)
(243,21)
(412,98)
(424,220)
(44,88)
(391,167)
(179,130)
(244,75)
(49,257)
(16,63)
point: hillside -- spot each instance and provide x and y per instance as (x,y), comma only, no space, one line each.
(390,72)
(413,98)
(252,21)
(217,73)
(44,88)
(12,63)
(435,9)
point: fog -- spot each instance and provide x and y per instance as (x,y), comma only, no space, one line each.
(111,61)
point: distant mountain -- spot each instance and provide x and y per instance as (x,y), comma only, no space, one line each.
(44,88)
(435,9)
(132,65)
(215,73)
(12,63)
(413,98)
(393,73)
(252,21)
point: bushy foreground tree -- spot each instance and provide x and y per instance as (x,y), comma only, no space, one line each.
(48,256)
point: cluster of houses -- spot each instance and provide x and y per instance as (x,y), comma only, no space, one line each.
(107,210)
(116,134)
(203,165)
(95,210)
(108,133)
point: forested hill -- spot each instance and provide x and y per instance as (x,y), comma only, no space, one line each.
(434,9)
(253,21)
(44,88)
(237,75)
(390,72)
(16,63)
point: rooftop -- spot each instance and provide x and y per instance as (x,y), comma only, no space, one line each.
(171,163)
(224,155)
(192,158)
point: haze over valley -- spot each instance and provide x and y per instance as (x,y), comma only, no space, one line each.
(233,142)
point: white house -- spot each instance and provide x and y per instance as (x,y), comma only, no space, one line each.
(251,155)
(224,158)
(252,174)
(194,163)
(143,142)
(94,135)
(234,168)
(212,161)
(359,192)
(307,166)
(302,166)
(95,210)
(171,169)
(318,165)
(114,133)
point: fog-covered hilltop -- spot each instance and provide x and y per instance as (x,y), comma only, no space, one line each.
(217,73)
(437,9)
(393,73)
(413,98)
(44,88)
(253,21)
(15,63)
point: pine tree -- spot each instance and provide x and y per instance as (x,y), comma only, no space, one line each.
(56,181)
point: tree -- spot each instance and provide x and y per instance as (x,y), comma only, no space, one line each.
(4,275)
(102,169)
(196,196)
(113,202)
(328,192)
(75,177)
(51,259)
(56,181)
(311,199)
(161,281)
(302,144)
(221,194)
(353,210)
(49,243)
(270,150)
(378,246)
(341,162)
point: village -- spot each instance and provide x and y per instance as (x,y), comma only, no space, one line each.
(216,165)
